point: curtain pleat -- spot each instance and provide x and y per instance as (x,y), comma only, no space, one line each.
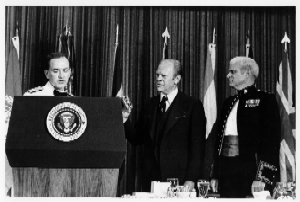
(141,44)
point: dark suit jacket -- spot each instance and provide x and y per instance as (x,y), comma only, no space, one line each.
(258,126)
(183,141)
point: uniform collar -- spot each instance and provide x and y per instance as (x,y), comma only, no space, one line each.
(247,90)
(49,86)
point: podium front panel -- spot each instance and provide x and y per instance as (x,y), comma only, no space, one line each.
(29,144)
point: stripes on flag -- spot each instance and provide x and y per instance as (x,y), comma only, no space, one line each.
(287,114)
(209,101)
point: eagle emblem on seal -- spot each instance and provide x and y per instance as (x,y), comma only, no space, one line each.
(67,122)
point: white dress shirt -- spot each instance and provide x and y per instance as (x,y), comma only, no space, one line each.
(231,126)
(171,96)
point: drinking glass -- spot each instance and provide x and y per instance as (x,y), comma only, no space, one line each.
(174,182)
(203,186)
(279,190)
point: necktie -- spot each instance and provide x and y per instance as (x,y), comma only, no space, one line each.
(162,104)
(60,93)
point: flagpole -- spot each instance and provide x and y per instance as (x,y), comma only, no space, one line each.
(117,40)
(115,51)
(17,29)
(214,36)
(117,89)
(247,45)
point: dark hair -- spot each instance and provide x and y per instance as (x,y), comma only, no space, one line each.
(53,56)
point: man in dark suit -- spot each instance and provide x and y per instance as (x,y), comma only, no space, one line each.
(249,132)
(172,128)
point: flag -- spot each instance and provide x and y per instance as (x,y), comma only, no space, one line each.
(287,113)
(210,108)
(209,101)
(165,35)
(13,87)
(117,88)
(13,84)
(66,46)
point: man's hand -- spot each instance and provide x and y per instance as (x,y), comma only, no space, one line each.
(214,185)
(190,184)
(125,115)
(126,110)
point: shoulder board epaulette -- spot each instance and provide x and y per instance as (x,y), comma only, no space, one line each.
(36,89)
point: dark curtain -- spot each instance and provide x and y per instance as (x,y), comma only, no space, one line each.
(141,46)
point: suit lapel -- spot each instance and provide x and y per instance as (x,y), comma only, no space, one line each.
(177,111)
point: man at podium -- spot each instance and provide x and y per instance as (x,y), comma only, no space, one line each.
(58,73)
(171,126)
(71,139)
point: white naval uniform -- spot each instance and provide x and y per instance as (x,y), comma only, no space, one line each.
(46,90)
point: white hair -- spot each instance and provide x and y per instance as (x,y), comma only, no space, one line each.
(246,64)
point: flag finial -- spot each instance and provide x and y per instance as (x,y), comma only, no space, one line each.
(285,40)
(166,35)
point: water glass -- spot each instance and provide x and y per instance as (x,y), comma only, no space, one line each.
(203,187)
(174,182)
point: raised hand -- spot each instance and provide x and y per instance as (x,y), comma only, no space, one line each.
(127,106)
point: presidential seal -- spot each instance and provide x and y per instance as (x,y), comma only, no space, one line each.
(66,122)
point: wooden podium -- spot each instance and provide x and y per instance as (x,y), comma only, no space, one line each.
(45,166)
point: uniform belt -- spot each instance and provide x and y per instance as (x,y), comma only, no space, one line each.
(230,145)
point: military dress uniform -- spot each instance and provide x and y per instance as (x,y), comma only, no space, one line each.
(47,90)
(256,124)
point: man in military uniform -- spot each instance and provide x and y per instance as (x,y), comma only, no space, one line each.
(58,73)
(249,132)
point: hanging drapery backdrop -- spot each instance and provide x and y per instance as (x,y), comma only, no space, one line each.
(141,45)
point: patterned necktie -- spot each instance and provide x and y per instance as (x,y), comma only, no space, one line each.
(162,104)
(60,93)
